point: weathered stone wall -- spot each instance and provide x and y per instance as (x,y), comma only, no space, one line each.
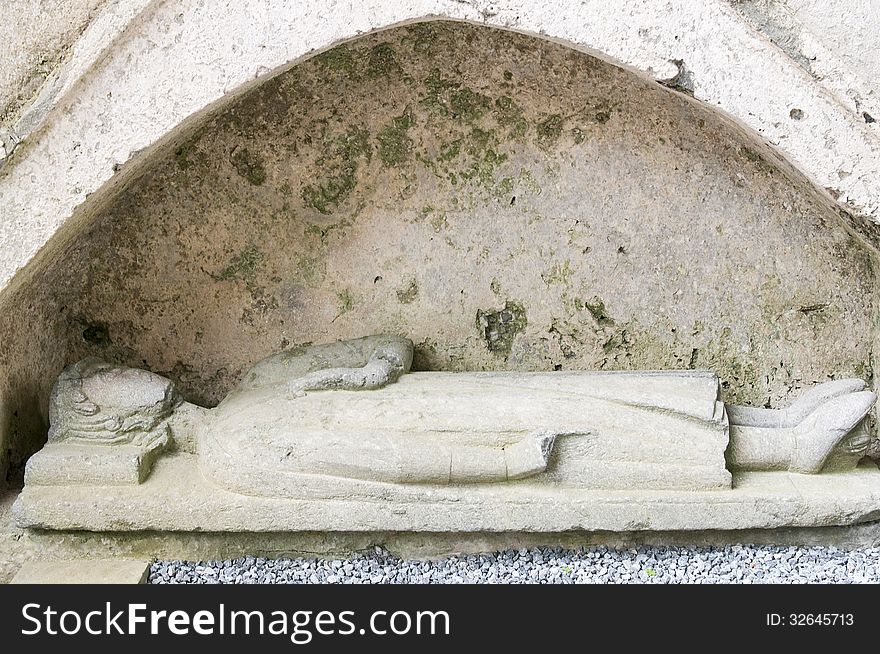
(547,211)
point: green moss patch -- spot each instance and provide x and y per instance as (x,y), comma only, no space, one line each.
(249,165)
(345,301)
(339,59)
(509,115)
(395,144)
(383,61)
(596,307)
(243,266)
(341,165)
(549,130)
(451,98)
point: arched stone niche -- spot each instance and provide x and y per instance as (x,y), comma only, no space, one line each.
(506,202)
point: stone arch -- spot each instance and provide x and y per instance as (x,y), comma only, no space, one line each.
(99,133)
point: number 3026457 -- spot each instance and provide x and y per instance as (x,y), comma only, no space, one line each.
(810,619)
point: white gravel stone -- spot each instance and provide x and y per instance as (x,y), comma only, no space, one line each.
(651,565)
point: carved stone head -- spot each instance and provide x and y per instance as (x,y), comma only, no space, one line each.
(96,401)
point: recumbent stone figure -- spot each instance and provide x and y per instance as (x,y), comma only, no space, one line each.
(349,417)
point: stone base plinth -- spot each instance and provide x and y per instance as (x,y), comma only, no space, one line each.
(83,571)
(177,498)
(20,545)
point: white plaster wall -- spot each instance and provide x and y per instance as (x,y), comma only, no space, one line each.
(849,29)
(836,41)
(35,37)
(144,67)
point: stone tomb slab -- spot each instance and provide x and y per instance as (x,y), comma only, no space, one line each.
(177,498)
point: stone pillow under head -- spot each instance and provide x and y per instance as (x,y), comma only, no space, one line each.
(93,400)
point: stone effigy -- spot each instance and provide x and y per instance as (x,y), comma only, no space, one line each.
(343,436)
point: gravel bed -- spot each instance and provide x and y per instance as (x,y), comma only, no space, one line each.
(657,565)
